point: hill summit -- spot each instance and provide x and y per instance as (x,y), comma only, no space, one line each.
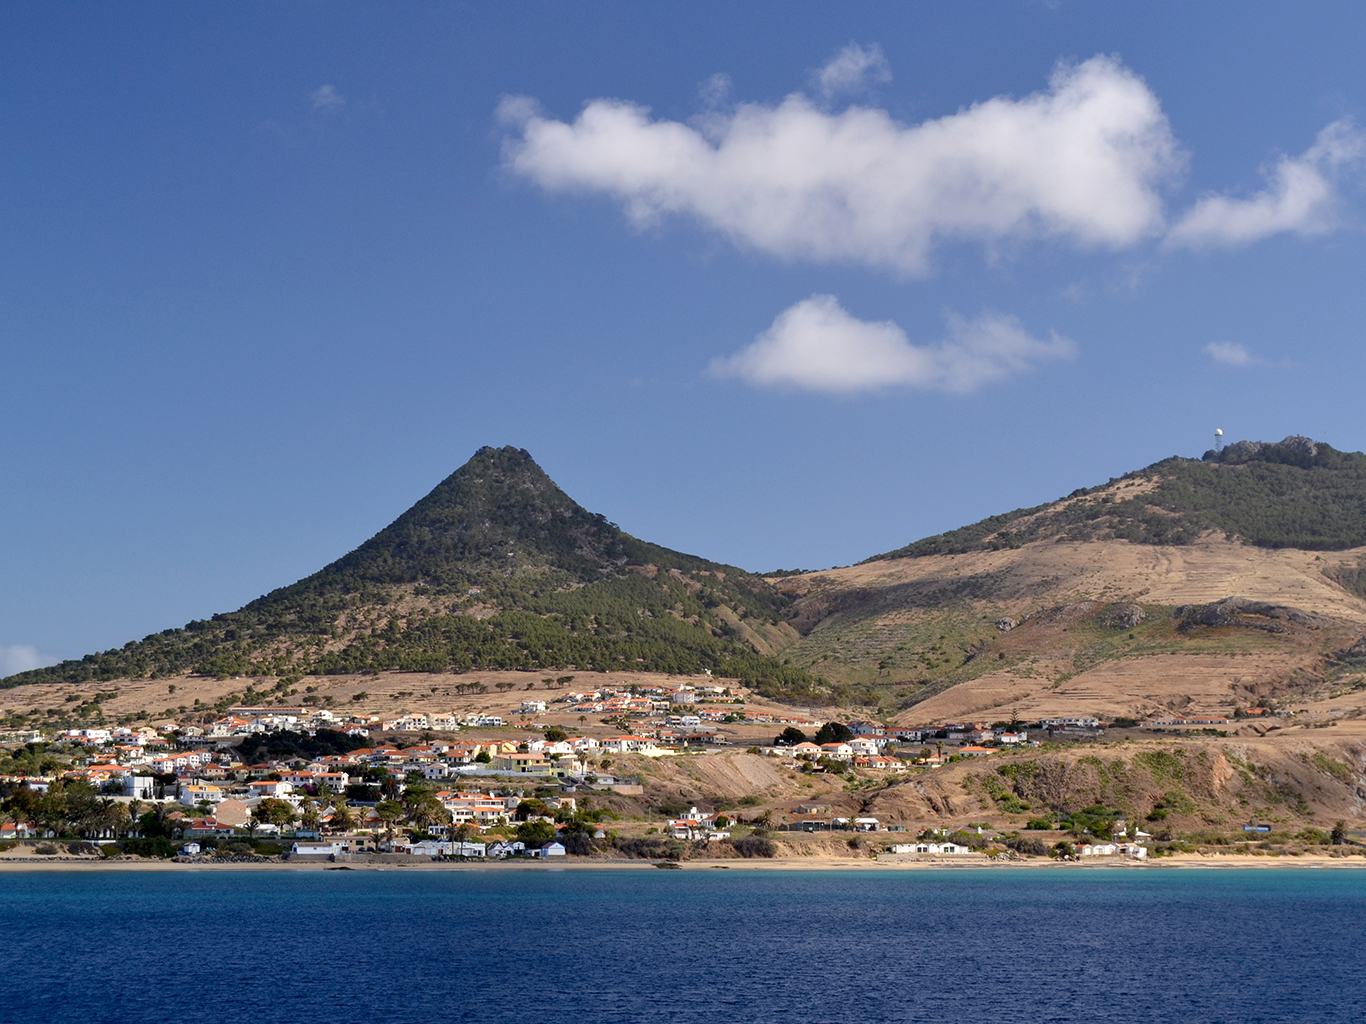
(498,516)
(1295,493)
(495,568)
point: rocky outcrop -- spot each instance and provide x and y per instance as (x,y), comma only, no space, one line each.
(1125,616)
(1240,612)
(1357,650)
(1295,447)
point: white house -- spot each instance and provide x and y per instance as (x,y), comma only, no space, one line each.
(1097,850)
(325,850)
(437,848)
(279,788)
(139,787)
(551,850)
(949,848)
(193,794)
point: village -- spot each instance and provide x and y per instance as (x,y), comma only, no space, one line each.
(476,784)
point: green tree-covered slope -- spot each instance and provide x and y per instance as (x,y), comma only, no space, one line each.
(1294,493)
(496,568)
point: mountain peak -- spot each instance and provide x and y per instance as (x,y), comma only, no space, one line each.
(498,515)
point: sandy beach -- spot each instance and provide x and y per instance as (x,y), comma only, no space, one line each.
(1177,861)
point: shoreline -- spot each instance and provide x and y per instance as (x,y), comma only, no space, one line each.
(1176,862)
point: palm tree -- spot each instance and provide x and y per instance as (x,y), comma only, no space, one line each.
(343,820)
(427,812)
(390,812)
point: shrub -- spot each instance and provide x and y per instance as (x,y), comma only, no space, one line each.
(755,846)
(149,846)
(1012,804)
(1039,825)
(45,849)
(833,732)
(536,833)
(1026,845)
(578,844)
(671,806)
(651,847)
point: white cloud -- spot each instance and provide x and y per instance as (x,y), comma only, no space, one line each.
(1301,197)
(327,99)
(1080,161)
(816,345)
(852,69)
(21,658)
(1231,353)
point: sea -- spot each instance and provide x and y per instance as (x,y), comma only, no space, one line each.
(495,946)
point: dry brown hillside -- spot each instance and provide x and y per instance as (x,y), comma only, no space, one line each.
(1101,627)
(1311,775)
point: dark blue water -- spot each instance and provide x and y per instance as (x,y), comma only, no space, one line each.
(684,946)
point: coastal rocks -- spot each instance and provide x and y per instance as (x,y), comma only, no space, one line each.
(1125,616)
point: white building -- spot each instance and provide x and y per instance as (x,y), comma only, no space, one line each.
(1070,722)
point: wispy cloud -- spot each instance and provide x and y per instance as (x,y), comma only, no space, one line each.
(1301,197)
(815,345)
(1080,161)
(21,658)
(327,99)
(853,69)
(1231,353)
(715,90)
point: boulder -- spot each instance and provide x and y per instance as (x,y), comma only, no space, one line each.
(1124,616)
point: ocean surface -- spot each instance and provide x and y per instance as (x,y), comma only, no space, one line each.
(1184,946)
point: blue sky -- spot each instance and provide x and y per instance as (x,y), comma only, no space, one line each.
(783,285)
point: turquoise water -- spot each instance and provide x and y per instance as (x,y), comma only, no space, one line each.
(684,946)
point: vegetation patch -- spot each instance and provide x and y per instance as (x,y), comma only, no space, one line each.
(1294,494)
